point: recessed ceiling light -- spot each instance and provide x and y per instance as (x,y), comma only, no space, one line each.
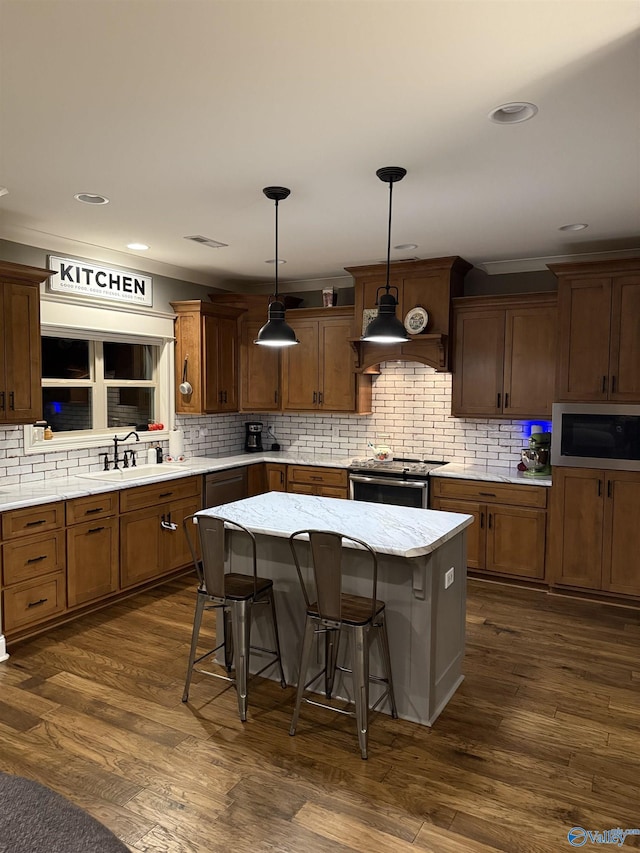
(273,261)
(139,247)
(91,198)
(404,246)
(575,226)
(513,113)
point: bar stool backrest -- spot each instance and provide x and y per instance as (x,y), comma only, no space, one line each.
(326,562)
(212,535)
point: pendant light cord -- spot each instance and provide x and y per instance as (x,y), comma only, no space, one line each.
(389,234)
(277,264)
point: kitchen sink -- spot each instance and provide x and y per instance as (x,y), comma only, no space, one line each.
(140,472)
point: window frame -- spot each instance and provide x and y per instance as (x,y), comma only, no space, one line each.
(164,404)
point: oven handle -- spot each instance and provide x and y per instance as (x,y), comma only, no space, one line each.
(389,481)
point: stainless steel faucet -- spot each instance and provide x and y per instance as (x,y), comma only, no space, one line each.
(117,441)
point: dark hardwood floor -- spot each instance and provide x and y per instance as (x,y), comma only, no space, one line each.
(542,736)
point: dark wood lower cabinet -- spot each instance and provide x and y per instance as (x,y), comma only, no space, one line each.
(595,534)
(92,560)
(508,534)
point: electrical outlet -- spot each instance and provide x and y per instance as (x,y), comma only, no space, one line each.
(448,578)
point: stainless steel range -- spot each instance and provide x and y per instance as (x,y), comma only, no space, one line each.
(403,482)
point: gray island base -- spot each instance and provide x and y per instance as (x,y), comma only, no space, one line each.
(421,577)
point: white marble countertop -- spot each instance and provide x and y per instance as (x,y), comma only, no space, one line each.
(400,531)
(494,475)
(66,488)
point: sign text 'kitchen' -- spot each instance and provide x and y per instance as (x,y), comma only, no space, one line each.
(85,279)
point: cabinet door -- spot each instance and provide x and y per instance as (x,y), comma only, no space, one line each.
(92,560)
(624,378)
(621,566)
(228,364)
(300,368)
(276,477)
(516,541)
(23,403)
(141,557)
(338,383)
(584,308)
(476,532)
(577,512)
(478,366)
(211,374)
(173,543)
(260,372)
(530,361)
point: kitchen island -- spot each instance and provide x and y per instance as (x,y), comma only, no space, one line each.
(421,577)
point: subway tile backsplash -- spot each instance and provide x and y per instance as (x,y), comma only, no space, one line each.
(411,408)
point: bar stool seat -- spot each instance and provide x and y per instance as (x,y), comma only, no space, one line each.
(334,612)
(235,595)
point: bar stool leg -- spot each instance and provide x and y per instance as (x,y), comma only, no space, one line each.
(307,645)
(331,645)
(197,622)
(241,630)
(275,631)
(361,684)
(386,660)
(228,638)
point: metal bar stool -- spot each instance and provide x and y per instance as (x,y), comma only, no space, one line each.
(330,614)
(235,595)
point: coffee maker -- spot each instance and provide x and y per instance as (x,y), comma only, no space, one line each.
(253,437)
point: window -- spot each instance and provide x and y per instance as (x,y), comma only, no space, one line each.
(93,385)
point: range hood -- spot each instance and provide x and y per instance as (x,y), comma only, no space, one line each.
(429,284)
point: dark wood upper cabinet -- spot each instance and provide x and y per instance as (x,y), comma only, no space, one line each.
(207,341)
(504,356)
(599,331)
(20,346)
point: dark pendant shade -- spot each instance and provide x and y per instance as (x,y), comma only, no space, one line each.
(276,332)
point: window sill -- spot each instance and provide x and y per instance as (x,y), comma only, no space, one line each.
(63,443)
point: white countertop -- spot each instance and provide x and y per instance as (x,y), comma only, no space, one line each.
(66,488)
(400,531)
(493,475)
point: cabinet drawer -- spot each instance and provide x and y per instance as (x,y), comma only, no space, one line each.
(317,476)
(158,493)
(488,492)
(97,506)
(28,603)
(35,519)
(31,557)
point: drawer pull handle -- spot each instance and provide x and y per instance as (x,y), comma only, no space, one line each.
(315,478)
(487,494)
(91,511)
(36,523)
(37,559)
(37,603)
(95,529)
(166,494)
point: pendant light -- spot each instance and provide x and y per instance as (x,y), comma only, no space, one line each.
(386,328)
(276,332)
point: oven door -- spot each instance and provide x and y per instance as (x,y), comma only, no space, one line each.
(388,490)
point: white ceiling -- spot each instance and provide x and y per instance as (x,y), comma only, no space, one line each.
(181,111)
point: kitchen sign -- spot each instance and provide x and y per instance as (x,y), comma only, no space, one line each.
(84,279)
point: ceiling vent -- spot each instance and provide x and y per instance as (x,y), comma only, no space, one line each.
(207,241)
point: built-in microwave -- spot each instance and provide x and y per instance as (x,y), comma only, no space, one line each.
(596,435)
